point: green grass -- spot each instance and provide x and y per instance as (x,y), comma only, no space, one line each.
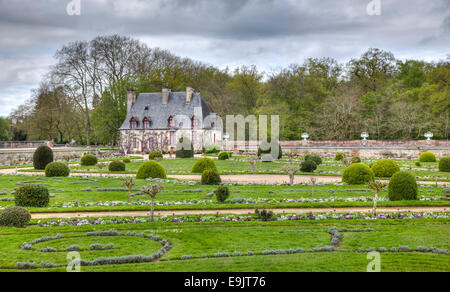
(199,239)
(67,190)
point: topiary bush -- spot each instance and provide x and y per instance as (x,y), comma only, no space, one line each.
(204,164)
(151,169)
(267,145)
(224,156)
(32,196)
(126,160)
(385,168)
(444,164)
(339,156)
(357,173)
(356,159)
(222,194)
(116,165)
(41,157)
(427,157)
(57,169)
(211,177)
(314,158)
(154,155)
(14,216)
(89,160)
(183,152)
(402,186)
(308,166)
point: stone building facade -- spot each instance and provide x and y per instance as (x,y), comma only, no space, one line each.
(157,121)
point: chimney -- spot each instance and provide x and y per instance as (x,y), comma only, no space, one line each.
(189,93)
(131,99)
(165,95)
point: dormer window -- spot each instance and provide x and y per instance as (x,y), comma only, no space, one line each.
(194,122)
(171,122)
(132,123)
(146,123)
(146,108)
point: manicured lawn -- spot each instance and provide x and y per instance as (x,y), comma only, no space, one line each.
(97,194)
(203,241)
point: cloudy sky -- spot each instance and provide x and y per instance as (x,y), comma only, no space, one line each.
(266,33)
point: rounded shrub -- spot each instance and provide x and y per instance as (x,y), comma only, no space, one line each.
(116,165)
(222,194)
(314,158)
(154,155)
(339,156)
(385,168)
(89,160)
(356,159)
(308,166)
(32,196)
(55,169)
(357,173)
(211,177)
(151,169)
(224,156)
(41,157)
(15,216)
(402,186)
(267,145)
(126,160)
(444,164)
(427,157)
(204,164)
(183,150)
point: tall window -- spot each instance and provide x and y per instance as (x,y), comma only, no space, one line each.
(171,122)
(172,138)
(194,122)
(146,123)
(132,123)
(194,137)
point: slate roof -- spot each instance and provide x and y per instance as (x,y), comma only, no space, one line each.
(149,105)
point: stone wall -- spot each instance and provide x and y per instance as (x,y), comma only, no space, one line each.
(372,150)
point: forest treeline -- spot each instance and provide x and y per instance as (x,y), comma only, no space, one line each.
(83,96)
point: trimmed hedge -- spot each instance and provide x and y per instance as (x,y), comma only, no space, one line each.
(155,155)
(89,160)
(32,196)
(402,186)
(222,194)
(117,165)
(41,157)
(427,157)
(267,145)
(181,152)
(356,159)
(151,169)
(357,173)
(314,158)
(339,156)
(444,164)
(224,156)
(308,166)
(57,169)
(211,177)
(204,164)
(126,160)
(385,168)
(15,216)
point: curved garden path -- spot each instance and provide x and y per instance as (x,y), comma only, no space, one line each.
(228,178)
(235,212)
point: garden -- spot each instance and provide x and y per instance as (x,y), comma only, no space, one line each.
(155,221)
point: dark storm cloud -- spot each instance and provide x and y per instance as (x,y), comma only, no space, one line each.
(268,33)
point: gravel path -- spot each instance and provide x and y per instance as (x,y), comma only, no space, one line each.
(235,212)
